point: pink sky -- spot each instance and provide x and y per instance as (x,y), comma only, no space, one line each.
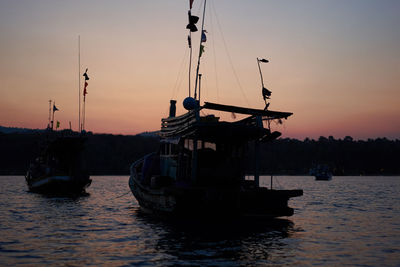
(334,64)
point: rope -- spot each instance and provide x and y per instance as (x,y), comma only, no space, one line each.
(215,58)
(229,57)
(120,195)
(179,77)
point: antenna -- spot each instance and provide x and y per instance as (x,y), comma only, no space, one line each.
(258,62)
(265,92)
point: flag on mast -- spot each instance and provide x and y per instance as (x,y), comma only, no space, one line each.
(203,36)
(84,89)
(86,84)
(192,21)
(191,3)
(85,75)
(55,108)
(189,41)
(201,49)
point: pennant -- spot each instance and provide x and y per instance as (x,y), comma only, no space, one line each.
(86,76)
(266,93)
(203,36)
(201,49)
(192,21)
(191,3)
(86,83)
(189,41)
(58,125)
(84,89)
(54,108)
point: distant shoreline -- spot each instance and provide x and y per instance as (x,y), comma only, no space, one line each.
(108,154)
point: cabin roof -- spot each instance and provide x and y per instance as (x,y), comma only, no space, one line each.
(248,111)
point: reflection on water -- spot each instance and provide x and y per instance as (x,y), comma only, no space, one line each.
(346,221)
(208,242)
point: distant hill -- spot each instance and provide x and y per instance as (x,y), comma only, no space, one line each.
(149,134)
(113,154)
(18,130)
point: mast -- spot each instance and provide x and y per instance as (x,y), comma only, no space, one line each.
(48,125)
(52,119)
(198,60)
(84,114)
(190,59)
(199,86)
(79,75)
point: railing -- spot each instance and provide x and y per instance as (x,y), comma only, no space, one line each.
(178,125)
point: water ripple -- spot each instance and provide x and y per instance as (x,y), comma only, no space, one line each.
(346,221)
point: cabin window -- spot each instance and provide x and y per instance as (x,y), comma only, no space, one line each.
(189,144)
(210,145)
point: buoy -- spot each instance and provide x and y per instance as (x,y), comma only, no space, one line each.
(190,103)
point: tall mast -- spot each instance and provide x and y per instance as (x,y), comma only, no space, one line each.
(83,115)
(199,86)
(48,126)
(198,60)
(52,119)
(190,59)
(79,75)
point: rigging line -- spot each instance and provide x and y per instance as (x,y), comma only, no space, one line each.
(179,85)
(229,58)
(119,196)
(214,54)
(183,63)
(198,59)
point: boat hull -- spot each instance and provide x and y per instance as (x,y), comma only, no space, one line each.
(219,202)
(324,177)
(58,184)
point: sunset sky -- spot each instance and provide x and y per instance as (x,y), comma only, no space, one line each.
(335,64)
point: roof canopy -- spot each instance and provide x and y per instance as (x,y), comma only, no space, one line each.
(248,111)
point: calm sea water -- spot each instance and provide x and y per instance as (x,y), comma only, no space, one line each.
(351,221)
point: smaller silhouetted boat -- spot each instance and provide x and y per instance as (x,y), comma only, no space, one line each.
(60,168)
(321,173)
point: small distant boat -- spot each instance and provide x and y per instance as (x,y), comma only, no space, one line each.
(321,173)
(200,167)
(60,168)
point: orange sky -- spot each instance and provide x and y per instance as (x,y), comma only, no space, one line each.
(334,64)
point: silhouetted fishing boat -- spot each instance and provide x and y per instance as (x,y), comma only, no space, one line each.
(200,168)
(60,168)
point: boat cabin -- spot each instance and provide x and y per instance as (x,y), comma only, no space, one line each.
(203,150)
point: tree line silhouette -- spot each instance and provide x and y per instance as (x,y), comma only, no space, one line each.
(108,154)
